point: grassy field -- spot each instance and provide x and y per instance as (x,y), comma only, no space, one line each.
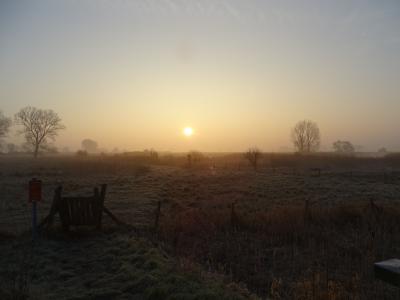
(282,232)
(103,266)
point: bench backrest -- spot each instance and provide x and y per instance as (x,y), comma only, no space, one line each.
(82,210)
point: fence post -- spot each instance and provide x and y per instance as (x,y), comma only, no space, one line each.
(233,216)
(189,158)
(306,211)
(34,220)
(157,220)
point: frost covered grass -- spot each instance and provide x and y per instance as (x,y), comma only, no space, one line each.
(282,232)
(109,265)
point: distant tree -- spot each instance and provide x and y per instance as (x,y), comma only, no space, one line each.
(38,127)
(5,124)
(65,150)
(253,155)
(11,148)
(359,148)
(194,157)
(153,154)
(90,146)
(103,150)
(81,153)
(306,136)
(383,151)
(343,147)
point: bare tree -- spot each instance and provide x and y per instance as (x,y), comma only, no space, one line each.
(38,126)
(253,155)
(343,147)
(89,146)
(306,136)
(5,124)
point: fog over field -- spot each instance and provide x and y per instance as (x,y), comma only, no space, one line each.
(199,149)
(132,74)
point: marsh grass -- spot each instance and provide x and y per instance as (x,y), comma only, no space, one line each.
(291,253)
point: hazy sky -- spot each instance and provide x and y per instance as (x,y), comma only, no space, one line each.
(131,74)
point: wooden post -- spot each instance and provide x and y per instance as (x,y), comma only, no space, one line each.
(387,177)
(64,213)
(48,221)
(233,216)
(157,220)
(34,220)
(98,210)
(100,198)
(306,211)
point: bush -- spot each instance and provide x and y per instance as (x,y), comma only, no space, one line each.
(82,153)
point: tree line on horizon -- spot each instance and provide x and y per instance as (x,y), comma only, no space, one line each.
(40,127)
(306,139)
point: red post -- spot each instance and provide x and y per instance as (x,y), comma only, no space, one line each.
(35,190)
(35,195)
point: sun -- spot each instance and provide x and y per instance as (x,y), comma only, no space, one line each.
(188,131)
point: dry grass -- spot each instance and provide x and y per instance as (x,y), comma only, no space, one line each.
(291,253)
(273,242)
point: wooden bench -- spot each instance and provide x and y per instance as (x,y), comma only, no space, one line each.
(79,211)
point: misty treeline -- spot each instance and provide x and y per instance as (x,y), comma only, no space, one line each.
(306,139)
(39,127)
